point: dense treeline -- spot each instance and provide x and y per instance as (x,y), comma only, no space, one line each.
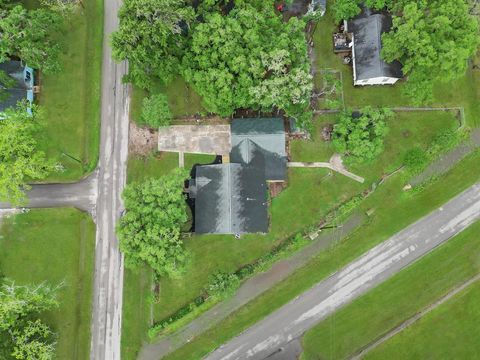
(236,54)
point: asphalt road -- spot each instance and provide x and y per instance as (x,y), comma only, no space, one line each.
(81,195)
(108,278)
(273,334)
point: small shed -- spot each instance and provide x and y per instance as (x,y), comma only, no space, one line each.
(16,84)
(260,142)
(229,199)
(368,66)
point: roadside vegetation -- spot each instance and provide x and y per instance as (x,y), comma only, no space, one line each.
(405,294)
(66,261)
(150,231)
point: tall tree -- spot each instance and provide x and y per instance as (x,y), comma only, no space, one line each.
(345,9)
(433,39)
(20,158)
(23,335)
(149,232)
(152,38)
(250,58)
(359,135)
(29,34)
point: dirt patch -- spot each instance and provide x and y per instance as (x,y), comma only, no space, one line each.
(142,141)
(276,188)
(406,133)
(327,132)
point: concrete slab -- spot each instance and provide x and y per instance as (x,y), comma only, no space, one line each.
(196,139)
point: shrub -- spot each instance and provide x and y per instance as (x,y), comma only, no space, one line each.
(155,111)
(222,284)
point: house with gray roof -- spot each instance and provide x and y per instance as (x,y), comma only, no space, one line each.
(16,84)
(260,142)
(229,199)
(368,66)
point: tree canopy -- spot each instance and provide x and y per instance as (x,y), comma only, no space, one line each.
(359,135)
(20,157)
(235,54)
(433,39)
(23,335)
(29,34)
(155,111)
(149,231)
(151,38)
(250,58)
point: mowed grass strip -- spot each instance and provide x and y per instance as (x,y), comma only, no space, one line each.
(449,332)
(71,98)
(55,245)
(393,211)
(388,305)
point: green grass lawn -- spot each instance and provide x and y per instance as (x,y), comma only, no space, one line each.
(449,332)
(399,298)
(55,245)
(461,92)
(310,195)
(393,211)
(71,98)
(406,130)
(182,99)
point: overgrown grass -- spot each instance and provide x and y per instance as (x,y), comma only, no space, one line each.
(392,212)
(399,298)
(55,245)
(449,332)
(71,98)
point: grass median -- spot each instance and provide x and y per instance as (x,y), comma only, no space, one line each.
(448,332)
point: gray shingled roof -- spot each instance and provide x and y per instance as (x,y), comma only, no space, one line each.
(261,143)
(367,31)
(230,199)
(11,95)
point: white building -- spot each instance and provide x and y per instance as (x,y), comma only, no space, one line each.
(368,66)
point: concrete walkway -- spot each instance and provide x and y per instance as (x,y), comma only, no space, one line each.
(251,289)
(335,164)
(416,317)
(274,332)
